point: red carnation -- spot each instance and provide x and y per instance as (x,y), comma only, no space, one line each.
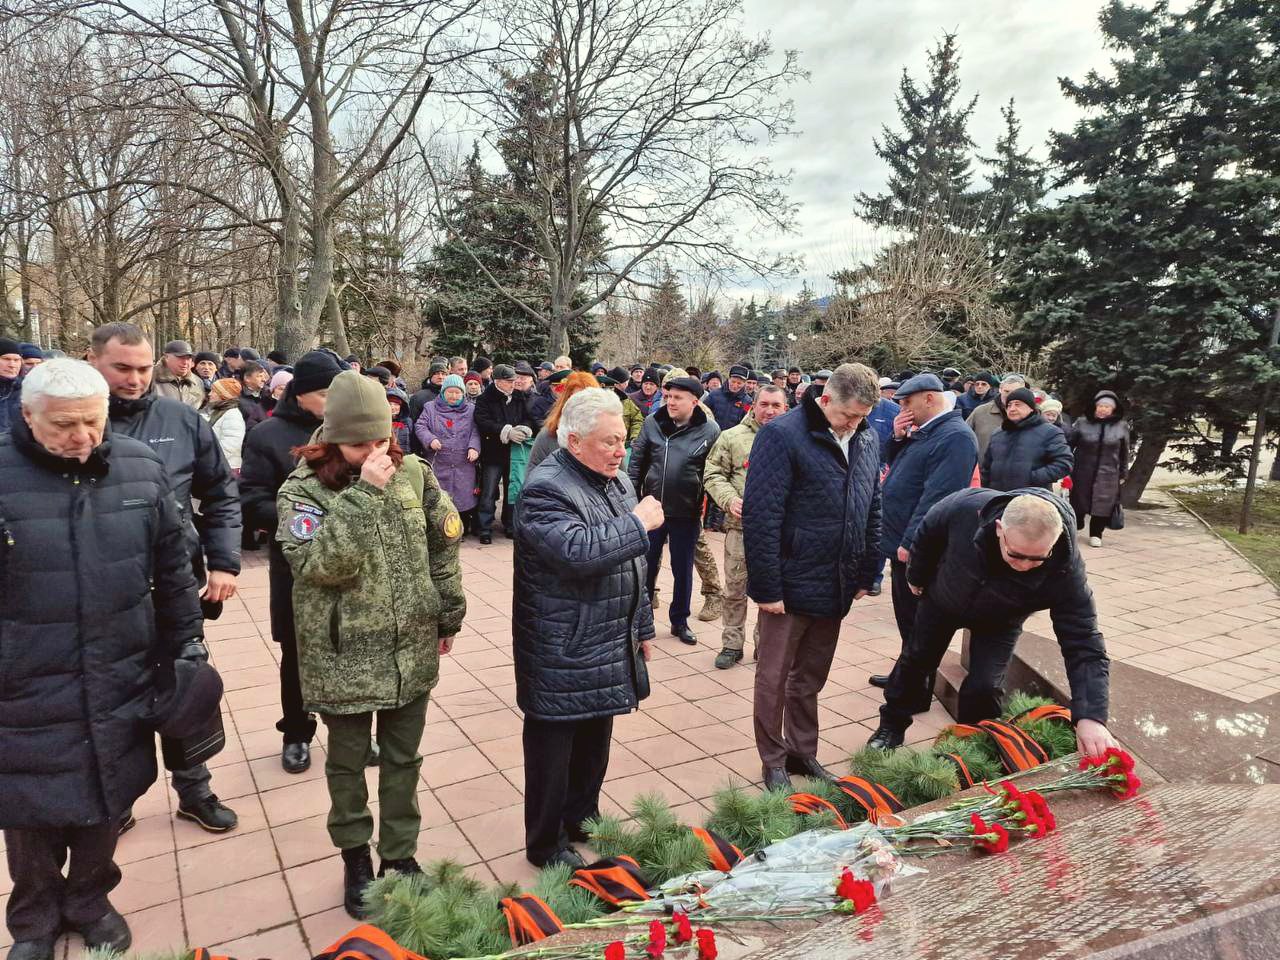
(1042,811)
(860,893)
(707,945)
(615,951)
(995,839)
(1118,758)
(657,939)
(684,929)
(1128,788)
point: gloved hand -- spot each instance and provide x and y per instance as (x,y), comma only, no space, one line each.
(193,650)
(520,433)
(505,434)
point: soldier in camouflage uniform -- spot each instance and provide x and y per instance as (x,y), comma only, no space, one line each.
(725,476)
(377,598)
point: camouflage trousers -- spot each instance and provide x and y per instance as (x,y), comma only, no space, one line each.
(704,561)
(734,617)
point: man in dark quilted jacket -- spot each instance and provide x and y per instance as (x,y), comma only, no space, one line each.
(811,528)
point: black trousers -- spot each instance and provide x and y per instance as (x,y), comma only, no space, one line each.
(904,601)
(564,767)
(910,684)
(43,901)
(295,723)
(1096,524)
(680,534)
(491,475)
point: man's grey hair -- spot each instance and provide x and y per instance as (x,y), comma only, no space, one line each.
(63,379)
(1012,378)
(583,410)
(853,382)
(1033,516)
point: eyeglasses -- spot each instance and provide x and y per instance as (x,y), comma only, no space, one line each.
(1014,555)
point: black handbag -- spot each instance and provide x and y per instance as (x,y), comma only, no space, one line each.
(1116,520)
(642,672)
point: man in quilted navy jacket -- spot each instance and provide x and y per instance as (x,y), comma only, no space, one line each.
(811,528)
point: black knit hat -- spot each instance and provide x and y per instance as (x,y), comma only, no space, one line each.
(1024,394)
(687,384)
(619,375)
(232,352)
(314,371)
(652,376)
(8,346)
(206,356)
(482,364)
(278,356)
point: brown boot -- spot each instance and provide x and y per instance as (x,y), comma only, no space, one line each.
(712,607)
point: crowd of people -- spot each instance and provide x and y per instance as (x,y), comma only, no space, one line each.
(129,486)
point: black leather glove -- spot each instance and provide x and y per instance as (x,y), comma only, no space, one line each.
(193,650)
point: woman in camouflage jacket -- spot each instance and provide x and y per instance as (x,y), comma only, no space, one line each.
(377,597)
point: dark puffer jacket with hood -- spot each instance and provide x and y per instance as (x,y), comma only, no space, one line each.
(811,518)
(956,559)
(581,610)
(1030,452)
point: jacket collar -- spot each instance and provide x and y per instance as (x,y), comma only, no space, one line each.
(937,421)
(668,426)
(816,420)
(96,466)
(120,409)
(1026,423)
(288,409)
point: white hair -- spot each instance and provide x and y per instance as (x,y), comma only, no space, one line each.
(583,410)
(1033,515)
(63,379)
(1013,378)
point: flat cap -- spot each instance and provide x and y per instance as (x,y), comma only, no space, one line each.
(920,383)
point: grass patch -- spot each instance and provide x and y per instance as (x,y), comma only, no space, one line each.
(1220,507)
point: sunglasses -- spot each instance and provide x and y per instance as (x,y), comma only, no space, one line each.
(1015,555)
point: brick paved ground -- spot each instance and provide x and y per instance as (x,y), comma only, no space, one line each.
(1173,600)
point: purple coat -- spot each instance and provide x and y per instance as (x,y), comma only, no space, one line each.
(455,428)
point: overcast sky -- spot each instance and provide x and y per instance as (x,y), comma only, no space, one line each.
(855,51)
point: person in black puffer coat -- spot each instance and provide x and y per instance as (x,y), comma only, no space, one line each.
(1027,451)
(811,531)
(268,461)
(1100,441)
(98,594)
(581,619)
(986,560)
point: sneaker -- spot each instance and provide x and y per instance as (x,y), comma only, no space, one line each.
(357,874)
(712,607)
(727,658)
(406,866)
(1095,541)
(109,932)
(211,814)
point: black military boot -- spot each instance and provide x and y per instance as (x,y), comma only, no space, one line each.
(357,874)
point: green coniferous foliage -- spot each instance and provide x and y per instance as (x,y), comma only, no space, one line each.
(1016,184)
(1158,275)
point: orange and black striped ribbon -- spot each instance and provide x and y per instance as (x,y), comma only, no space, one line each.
(724,855)
(201,953)
(875,798)
(1018,750)
(958,730)
(365,942)
(1050,711)
(615,880)
(529,919)
(807,803)
(962,769)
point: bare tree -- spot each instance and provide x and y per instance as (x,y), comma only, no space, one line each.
(633,128)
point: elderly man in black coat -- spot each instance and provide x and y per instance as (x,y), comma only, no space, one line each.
(987,560)
(98,591)
(581,619)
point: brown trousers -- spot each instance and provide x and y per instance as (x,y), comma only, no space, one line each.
(795,658)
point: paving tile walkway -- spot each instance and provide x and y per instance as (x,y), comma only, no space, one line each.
(1173,599)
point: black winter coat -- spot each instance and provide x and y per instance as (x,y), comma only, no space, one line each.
(580,609)
(1029,453)
(1101,462)
(266,464)
(97,590)
(956,559)
(495,410)
(728,407)
(667,461)
(196,469)
(254,410)
(541,400)
(811,518)
(10,402)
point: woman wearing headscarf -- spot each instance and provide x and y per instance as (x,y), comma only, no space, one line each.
(546,443)
(450,441)
(377,598)
(1100,442)
(227,420)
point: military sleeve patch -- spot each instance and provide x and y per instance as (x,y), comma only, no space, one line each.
(453,526)
(310,508)
(304,526)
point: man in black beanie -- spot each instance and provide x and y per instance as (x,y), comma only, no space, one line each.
(10,381)
(268,461)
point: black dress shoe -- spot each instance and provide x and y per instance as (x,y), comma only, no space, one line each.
(109,932)
(880,680)
(211,814)
(486,538)
(406,866)
(886,738)
(566,855)
(808,767)
(32,950)
(357,873)
(776,778)
(684,635)
(576,834)
(126,823)
(296,757)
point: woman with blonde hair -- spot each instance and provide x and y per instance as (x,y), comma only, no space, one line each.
(547,444)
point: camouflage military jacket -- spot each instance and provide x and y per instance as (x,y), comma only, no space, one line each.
(725,474)
(376,583)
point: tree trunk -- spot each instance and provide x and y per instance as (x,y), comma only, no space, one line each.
(291,334)
(333,320)
(1144,465)
(22,247)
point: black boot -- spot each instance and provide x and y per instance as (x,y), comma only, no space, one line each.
(109,932)
(357,874)
(775,778)
(32,950)
(296,757)
(808,767)
(886,738)
(406,866)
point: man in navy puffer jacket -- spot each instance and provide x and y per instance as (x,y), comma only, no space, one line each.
(811,529)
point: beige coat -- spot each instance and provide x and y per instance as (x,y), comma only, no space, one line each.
(188,390)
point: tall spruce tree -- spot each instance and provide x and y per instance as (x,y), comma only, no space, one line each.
(1159,276)
(929,159)
(1015,185)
